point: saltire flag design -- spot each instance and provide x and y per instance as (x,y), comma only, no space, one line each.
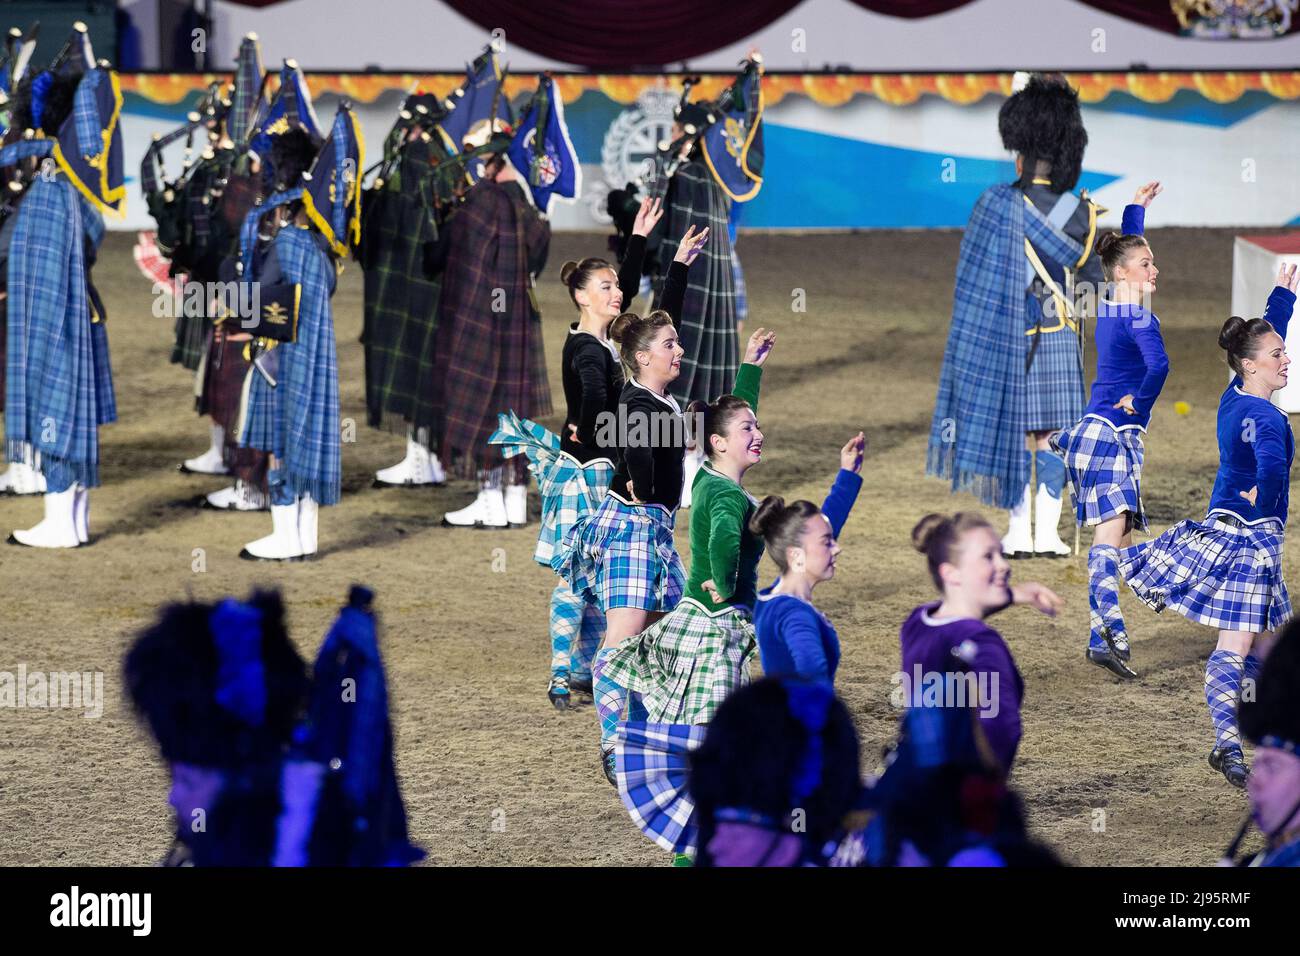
(542,153)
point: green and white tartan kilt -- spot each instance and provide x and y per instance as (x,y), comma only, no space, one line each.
(686,664)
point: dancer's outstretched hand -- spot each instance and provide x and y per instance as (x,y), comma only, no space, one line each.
(691,244)
(1288,277)
(1039,596)
(758,347)
(1147,193)
(851,454)
(648,216)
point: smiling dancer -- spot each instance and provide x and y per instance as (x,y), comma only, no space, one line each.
(794,637)
(1226,571)
(965,560)
(1104,451)
(573,471)
(683,666)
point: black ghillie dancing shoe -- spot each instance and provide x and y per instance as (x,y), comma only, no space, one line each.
(558,693)
(1113,658)
(1231,762)
(607,764)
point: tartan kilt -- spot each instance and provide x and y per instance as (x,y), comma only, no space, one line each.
(1054,384)
(259,406)
(1104,466)
(623,556)
(569,489)
(1213,573)
(707,325)
(191,340)
(686,664)
(4,338)
(105,397)
(651,767)
(222,386)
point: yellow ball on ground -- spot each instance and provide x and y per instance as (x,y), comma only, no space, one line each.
(1182,408)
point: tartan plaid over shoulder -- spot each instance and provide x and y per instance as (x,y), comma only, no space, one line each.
(488,356)
(51,400)
(977,433)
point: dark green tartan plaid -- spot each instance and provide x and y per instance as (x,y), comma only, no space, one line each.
(191,341)
(707,325)
(401,304)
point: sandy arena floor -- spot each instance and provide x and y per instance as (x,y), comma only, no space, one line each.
(492,775)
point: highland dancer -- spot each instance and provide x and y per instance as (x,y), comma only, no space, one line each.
(966,564)
(1271,721)
(1104,451)
(1013,369)
(1226,571)
(59,386)
(656,661)
(573,472)
(795,639)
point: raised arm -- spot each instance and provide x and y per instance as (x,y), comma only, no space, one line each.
(674,291)
(633,264)
(1280,305)
(848,482)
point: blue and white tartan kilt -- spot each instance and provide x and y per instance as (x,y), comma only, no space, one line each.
(1214,573)
(569,489)
(105,397)
(1054,384)
(1104,466)
(738,276)
(623,556)
(652,767)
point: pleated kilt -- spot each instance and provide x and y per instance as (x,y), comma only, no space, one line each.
(623,556)
(191,340)
(1104,467)
(686,664)
(570,490)
(105,396)
(222,379)
(652,769)
(1054,384)
(1214,572)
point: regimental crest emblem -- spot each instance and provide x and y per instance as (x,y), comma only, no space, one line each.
(630,145)
(1234,19)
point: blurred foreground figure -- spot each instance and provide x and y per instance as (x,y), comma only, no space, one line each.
(224,693)
(1271,721)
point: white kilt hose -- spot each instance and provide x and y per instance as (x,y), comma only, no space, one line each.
(623,556)
(1104,467)
(1219,572)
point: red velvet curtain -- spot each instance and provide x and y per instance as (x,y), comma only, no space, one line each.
(623,33)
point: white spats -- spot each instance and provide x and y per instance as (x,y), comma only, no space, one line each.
(240,496)
(81,513)
(419,467)
(1019,539)
(283,543)
(308,523)
(20,478)
(517,505)
(487,511)
(211,461)
(58,529)
(1047,542)
(691,465)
